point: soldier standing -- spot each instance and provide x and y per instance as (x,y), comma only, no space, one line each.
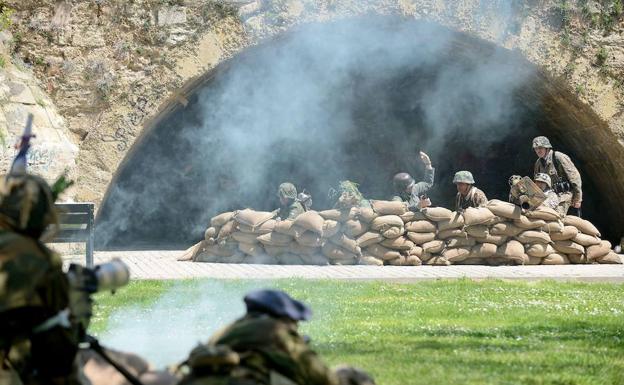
(467,194)
(290,207)
(544,182)
(565,178)
(407,190)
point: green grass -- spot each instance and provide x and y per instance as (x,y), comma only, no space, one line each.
(443,332)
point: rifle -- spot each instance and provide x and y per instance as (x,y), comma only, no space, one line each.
(19,162)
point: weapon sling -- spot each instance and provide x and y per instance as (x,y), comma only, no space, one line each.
(95,345)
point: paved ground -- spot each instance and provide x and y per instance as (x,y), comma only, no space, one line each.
(160,264)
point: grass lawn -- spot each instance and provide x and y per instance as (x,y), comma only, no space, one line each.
(443,332)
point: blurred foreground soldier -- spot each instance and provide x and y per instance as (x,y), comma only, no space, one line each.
(543,181)
(407,190)
(263,347)
(348,195)
(290,207)
(348,375)
(467,194)
(564,176)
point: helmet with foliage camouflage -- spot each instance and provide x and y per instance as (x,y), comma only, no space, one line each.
(514,179)
(402,181)
(26,204)
(463,177)
(541,141)
(542,177)
(287,190)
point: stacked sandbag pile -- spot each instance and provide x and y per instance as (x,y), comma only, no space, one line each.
(390,234)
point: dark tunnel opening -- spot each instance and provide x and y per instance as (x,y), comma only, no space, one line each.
(227,150)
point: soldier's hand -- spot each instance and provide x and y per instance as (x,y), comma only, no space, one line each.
(425,159)
(576,205)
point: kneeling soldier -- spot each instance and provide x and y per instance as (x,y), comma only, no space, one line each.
(467,194)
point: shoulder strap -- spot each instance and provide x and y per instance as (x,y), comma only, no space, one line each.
(557,165)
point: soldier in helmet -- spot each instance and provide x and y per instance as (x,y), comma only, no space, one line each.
(290,207)
(407,190)
(544,182)
(467,194)
(348,195)
(263,347)
(564,176)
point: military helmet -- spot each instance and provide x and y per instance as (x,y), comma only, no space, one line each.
(26,204)
(277,304)
(402,181)
(463,177)
(349,375)
(287,190)
(542,177)
(513,180)
(541,141)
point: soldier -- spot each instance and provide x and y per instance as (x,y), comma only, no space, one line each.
(413,193)
(290,206)
(543,181)
(349,195)
(565,178)
(467,194)
(263,347)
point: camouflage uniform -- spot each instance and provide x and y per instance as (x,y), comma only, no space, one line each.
(412,196)
(350,196)
(33,289)
(474,197)
(293,208)
(564,169)
(552,199)
(268,347)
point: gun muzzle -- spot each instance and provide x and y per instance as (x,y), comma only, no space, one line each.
(112,275)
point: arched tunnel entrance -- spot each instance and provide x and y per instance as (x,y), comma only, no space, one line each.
(354,99)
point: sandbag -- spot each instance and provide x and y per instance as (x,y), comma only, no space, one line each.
(438,260)
(529,224)
(568,232)
(389,207)
(583,225)
(506,228)
(369,238)
(252,218)
(586,240)
(335,252)
(555,259)
(264,228)
(424,226)
(354,228)
(412,260)
(455,222)
(495,239)
(275,239)
(251,249)
(484,250)
(595,252)
(311,221)
(612,258)
(275,251)
(532,236)
(420,238)
(314,259)
(335,215)
(226,230)
(545,213)
(400,261)
(400,243)
(437,214)
(553,227)
(285,227)
(433,247)
(477,216)
(568,247)
(477,231)
(237,257)
(303,250)
(289,259)
(460,242)
(370,260)
(539,250)
(393,232)
(383,223)
(471,261)
(346,243)
(239,236)
(533,261)
(210,232)
(456,254)
(511,250)
(330,228)
(416,250)
(382,252)
(424,257)
(262,259)
(310,239)
(577,259)
(504,209)
(344,262)
(363,214)
(450,233)
(411,216)
(216,251)
(190,253)
(221,219)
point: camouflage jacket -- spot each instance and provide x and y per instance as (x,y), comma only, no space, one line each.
(552,199)
(474,198)
(290,211)
(266,346)
(413,197)
(566,170)
(33,289)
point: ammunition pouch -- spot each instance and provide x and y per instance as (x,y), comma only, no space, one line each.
(211,359)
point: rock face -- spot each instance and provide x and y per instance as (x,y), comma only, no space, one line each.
(111,67)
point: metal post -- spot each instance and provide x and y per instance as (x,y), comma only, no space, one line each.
(91,230)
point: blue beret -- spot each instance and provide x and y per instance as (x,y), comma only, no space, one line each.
(278,304)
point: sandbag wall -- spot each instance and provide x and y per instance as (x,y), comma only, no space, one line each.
(389,234)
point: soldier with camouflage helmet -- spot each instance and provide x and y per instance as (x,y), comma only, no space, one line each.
(290,207)
(544,182)
(407,190)
(348,195)
(565,177)
(467,194)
